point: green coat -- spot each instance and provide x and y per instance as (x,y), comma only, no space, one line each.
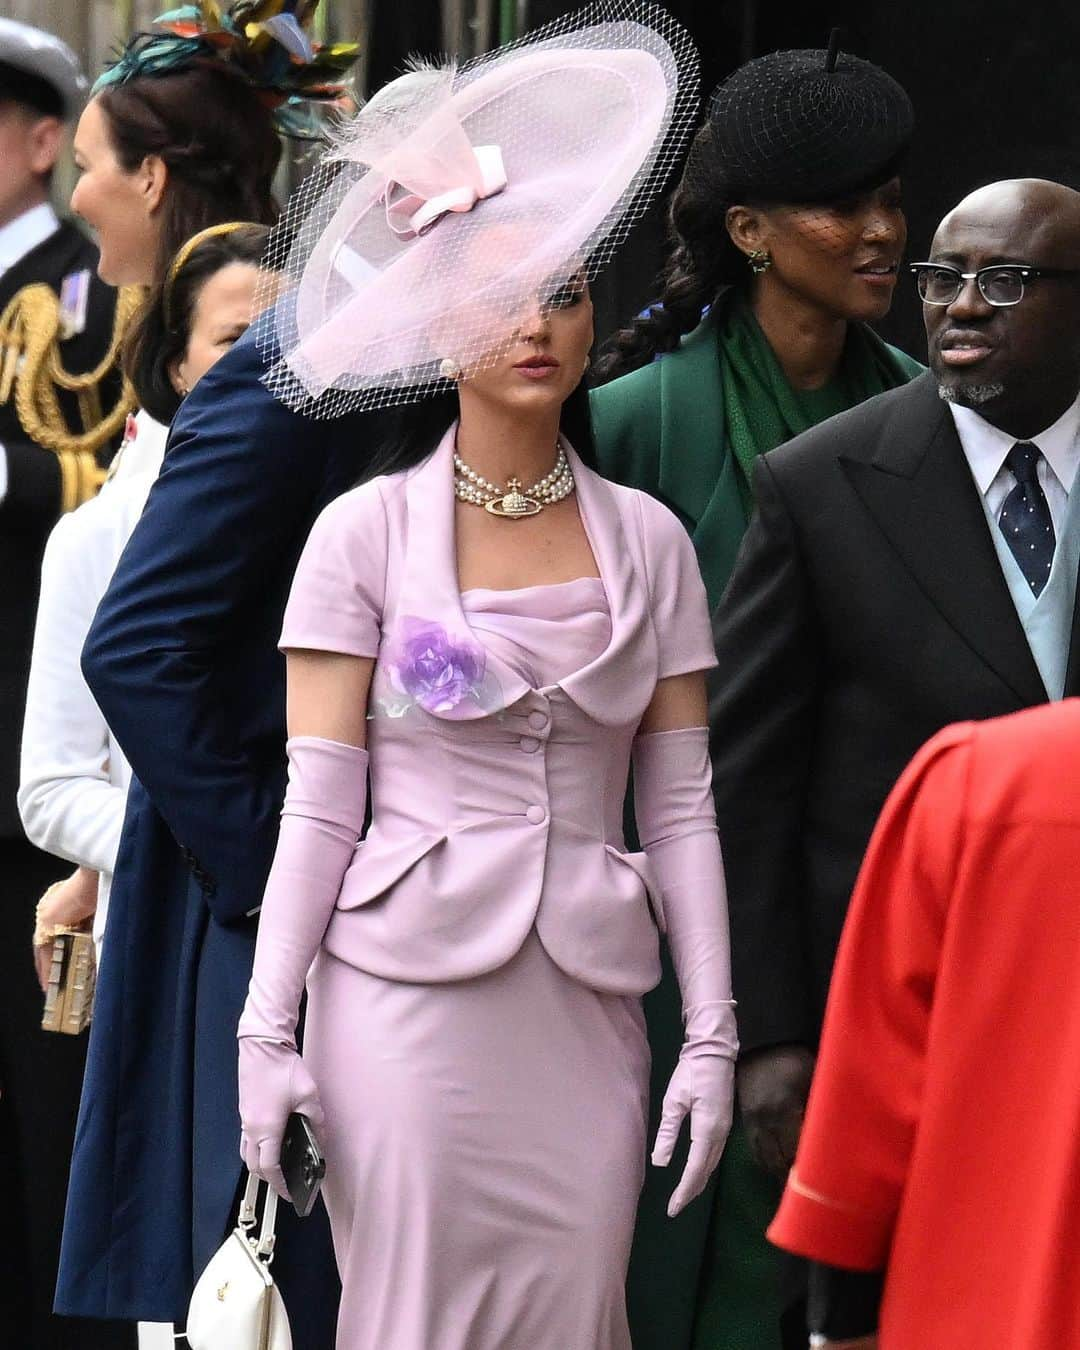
(707,1279)
(651,426)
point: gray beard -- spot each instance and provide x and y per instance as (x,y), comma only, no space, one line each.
(970,395)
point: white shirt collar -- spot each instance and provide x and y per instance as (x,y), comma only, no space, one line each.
(24,233)
(986,446)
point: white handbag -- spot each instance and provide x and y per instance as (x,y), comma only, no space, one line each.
(236,1305)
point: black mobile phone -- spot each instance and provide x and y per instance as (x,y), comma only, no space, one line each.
(302,1164)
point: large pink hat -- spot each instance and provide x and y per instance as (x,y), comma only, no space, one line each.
(459,195)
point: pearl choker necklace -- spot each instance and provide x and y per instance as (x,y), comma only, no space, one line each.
(513,501)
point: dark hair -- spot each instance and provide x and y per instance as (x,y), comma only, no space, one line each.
(216,138)
(702,260)
(805,126)
(162,332)
(406,435)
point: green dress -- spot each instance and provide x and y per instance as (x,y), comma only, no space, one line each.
(687,429)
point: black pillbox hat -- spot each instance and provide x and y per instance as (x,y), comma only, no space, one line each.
(805,126)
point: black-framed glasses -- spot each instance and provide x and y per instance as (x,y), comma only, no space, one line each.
(1000,285)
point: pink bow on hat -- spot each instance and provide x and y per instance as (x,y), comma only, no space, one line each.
(415,214)
(570,133)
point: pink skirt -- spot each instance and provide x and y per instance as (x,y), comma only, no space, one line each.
(485,1146)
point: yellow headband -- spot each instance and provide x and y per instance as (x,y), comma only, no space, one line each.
(184,252)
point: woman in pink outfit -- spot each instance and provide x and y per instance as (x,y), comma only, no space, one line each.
(487,634)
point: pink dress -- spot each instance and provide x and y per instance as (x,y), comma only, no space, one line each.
(474,1021)
(485,1137)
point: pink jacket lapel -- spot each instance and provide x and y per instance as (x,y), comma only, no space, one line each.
(431,642)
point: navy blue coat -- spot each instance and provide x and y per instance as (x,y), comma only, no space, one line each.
(183,661)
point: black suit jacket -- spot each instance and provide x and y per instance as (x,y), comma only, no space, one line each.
(32,504)
(867,610)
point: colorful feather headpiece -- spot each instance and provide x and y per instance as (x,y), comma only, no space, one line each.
(268,40)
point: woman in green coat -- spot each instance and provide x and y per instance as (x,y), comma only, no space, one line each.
(787,235)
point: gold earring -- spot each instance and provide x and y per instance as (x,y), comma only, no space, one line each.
(760,260)
(449,368)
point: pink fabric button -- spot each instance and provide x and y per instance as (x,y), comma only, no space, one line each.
(536,815)
(529,744)
(538,720)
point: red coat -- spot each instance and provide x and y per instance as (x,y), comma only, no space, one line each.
(942,1138)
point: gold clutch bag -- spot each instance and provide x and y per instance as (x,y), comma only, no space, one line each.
(69,999)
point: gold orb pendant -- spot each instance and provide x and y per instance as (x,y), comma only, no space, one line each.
(514,505)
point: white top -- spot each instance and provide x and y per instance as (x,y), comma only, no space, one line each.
(141,451)
(986,446)
(24,233)
(73,775)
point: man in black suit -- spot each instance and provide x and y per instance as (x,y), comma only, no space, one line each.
(911,563)
(43,471)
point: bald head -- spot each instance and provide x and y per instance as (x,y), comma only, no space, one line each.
(1035,213)
(1019,364)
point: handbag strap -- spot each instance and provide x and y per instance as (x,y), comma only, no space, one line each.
(265,1245)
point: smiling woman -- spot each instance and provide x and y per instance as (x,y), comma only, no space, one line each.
(788,232)
(162,156)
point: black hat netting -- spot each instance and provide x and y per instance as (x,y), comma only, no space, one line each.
(784,128)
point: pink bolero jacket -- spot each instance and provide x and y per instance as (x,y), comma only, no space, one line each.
(495,806)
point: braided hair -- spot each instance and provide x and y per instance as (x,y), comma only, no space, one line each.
(805,126)
(702,261)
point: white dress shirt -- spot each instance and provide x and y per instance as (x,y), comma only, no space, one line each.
(73,775)
(24,233)
(17,238)
(986,447)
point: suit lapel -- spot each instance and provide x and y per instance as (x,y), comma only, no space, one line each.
(431,641)
(615,687)
(919,490)
(699,476)
(691,423)
(430,638)
(1072,670)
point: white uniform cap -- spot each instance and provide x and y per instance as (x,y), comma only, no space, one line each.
(45,57)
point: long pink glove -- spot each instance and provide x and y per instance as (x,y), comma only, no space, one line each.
(677,824)
(320,824)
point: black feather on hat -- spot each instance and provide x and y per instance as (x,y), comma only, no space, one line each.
(806,126)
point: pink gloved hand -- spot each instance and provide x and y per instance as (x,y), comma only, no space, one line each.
(677,825)
(274,1082)
(703,1087)
(321,821)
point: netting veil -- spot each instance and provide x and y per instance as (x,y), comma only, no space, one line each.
(459,195)
(804,126)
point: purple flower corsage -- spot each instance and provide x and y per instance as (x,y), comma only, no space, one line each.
(426,667)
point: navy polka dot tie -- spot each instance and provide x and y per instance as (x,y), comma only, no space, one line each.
(1025,517)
